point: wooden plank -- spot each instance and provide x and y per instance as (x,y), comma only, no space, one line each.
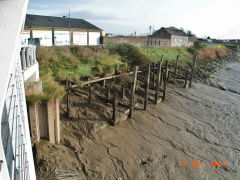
(158,81)
(165,81)
(179,76)
(78,91)
(147,80)
(193,69)
(101,79)
(132,98)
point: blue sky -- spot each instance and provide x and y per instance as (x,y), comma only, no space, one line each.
(216,18)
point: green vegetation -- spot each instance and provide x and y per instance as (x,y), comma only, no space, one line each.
(169,54)
(76,63)
(131,54)
(51,90)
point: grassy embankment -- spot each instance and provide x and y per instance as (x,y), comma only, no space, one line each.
(76,63)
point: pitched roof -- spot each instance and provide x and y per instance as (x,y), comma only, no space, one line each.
(61,22)
(192,38)
(175,31)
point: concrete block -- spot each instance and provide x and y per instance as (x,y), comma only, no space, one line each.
(34,123)
(33,88)
(31,74)
(57,122)
(42,118)
(51,121)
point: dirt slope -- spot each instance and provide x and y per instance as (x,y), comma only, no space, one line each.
(201,123)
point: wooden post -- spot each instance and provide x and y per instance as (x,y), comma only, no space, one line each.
(132,98)
(108,92)
(104,83)
(88,80)
(186,78)
(159,70)
(68,99)
(123,92)
(176,66)
(136,83)
(165,81)
(90,95)
(168,76)
(193,68)
(147,79)
(154,80)
(115,103)
(161,80)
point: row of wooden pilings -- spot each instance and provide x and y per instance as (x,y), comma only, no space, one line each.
(161,75)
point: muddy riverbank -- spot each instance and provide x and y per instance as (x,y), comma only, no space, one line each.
(201,123)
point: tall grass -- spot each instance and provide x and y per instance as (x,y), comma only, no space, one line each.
(76,62)
(211,53)
(51,90)
(169,54)
(73,63)
(130,54)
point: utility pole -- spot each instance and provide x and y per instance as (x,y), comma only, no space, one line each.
(150,29)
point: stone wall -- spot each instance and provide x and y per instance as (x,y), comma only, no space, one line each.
(135,40)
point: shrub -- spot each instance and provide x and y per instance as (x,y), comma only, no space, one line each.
(211,53)
(199,45)
(130,54)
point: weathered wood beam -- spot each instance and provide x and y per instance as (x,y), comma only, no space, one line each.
(158,81)
(193,69)
(176,66)
(165,81)
(114,105)
(132,98)
(147,80)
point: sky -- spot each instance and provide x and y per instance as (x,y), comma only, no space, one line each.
(214,18)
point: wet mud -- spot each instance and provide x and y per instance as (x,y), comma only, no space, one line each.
(176,139)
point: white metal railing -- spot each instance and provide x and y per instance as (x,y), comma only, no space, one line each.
(13,127)
(28,56)
(16,160)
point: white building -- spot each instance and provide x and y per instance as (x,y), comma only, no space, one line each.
(60,31)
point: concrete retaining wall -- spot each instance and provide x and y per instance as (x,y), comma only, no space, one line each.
(45,121)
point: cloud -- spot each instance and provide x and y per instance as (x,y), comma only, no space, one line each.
(203,17)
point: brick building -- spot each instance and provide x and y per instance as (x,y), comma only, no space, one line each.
(169,37)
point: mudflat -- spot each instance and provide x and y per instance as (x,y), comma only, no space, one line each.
(194,134)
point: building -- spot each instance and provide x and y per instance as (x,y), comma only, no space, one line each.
(169,37)
(191,40)
(60,31)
